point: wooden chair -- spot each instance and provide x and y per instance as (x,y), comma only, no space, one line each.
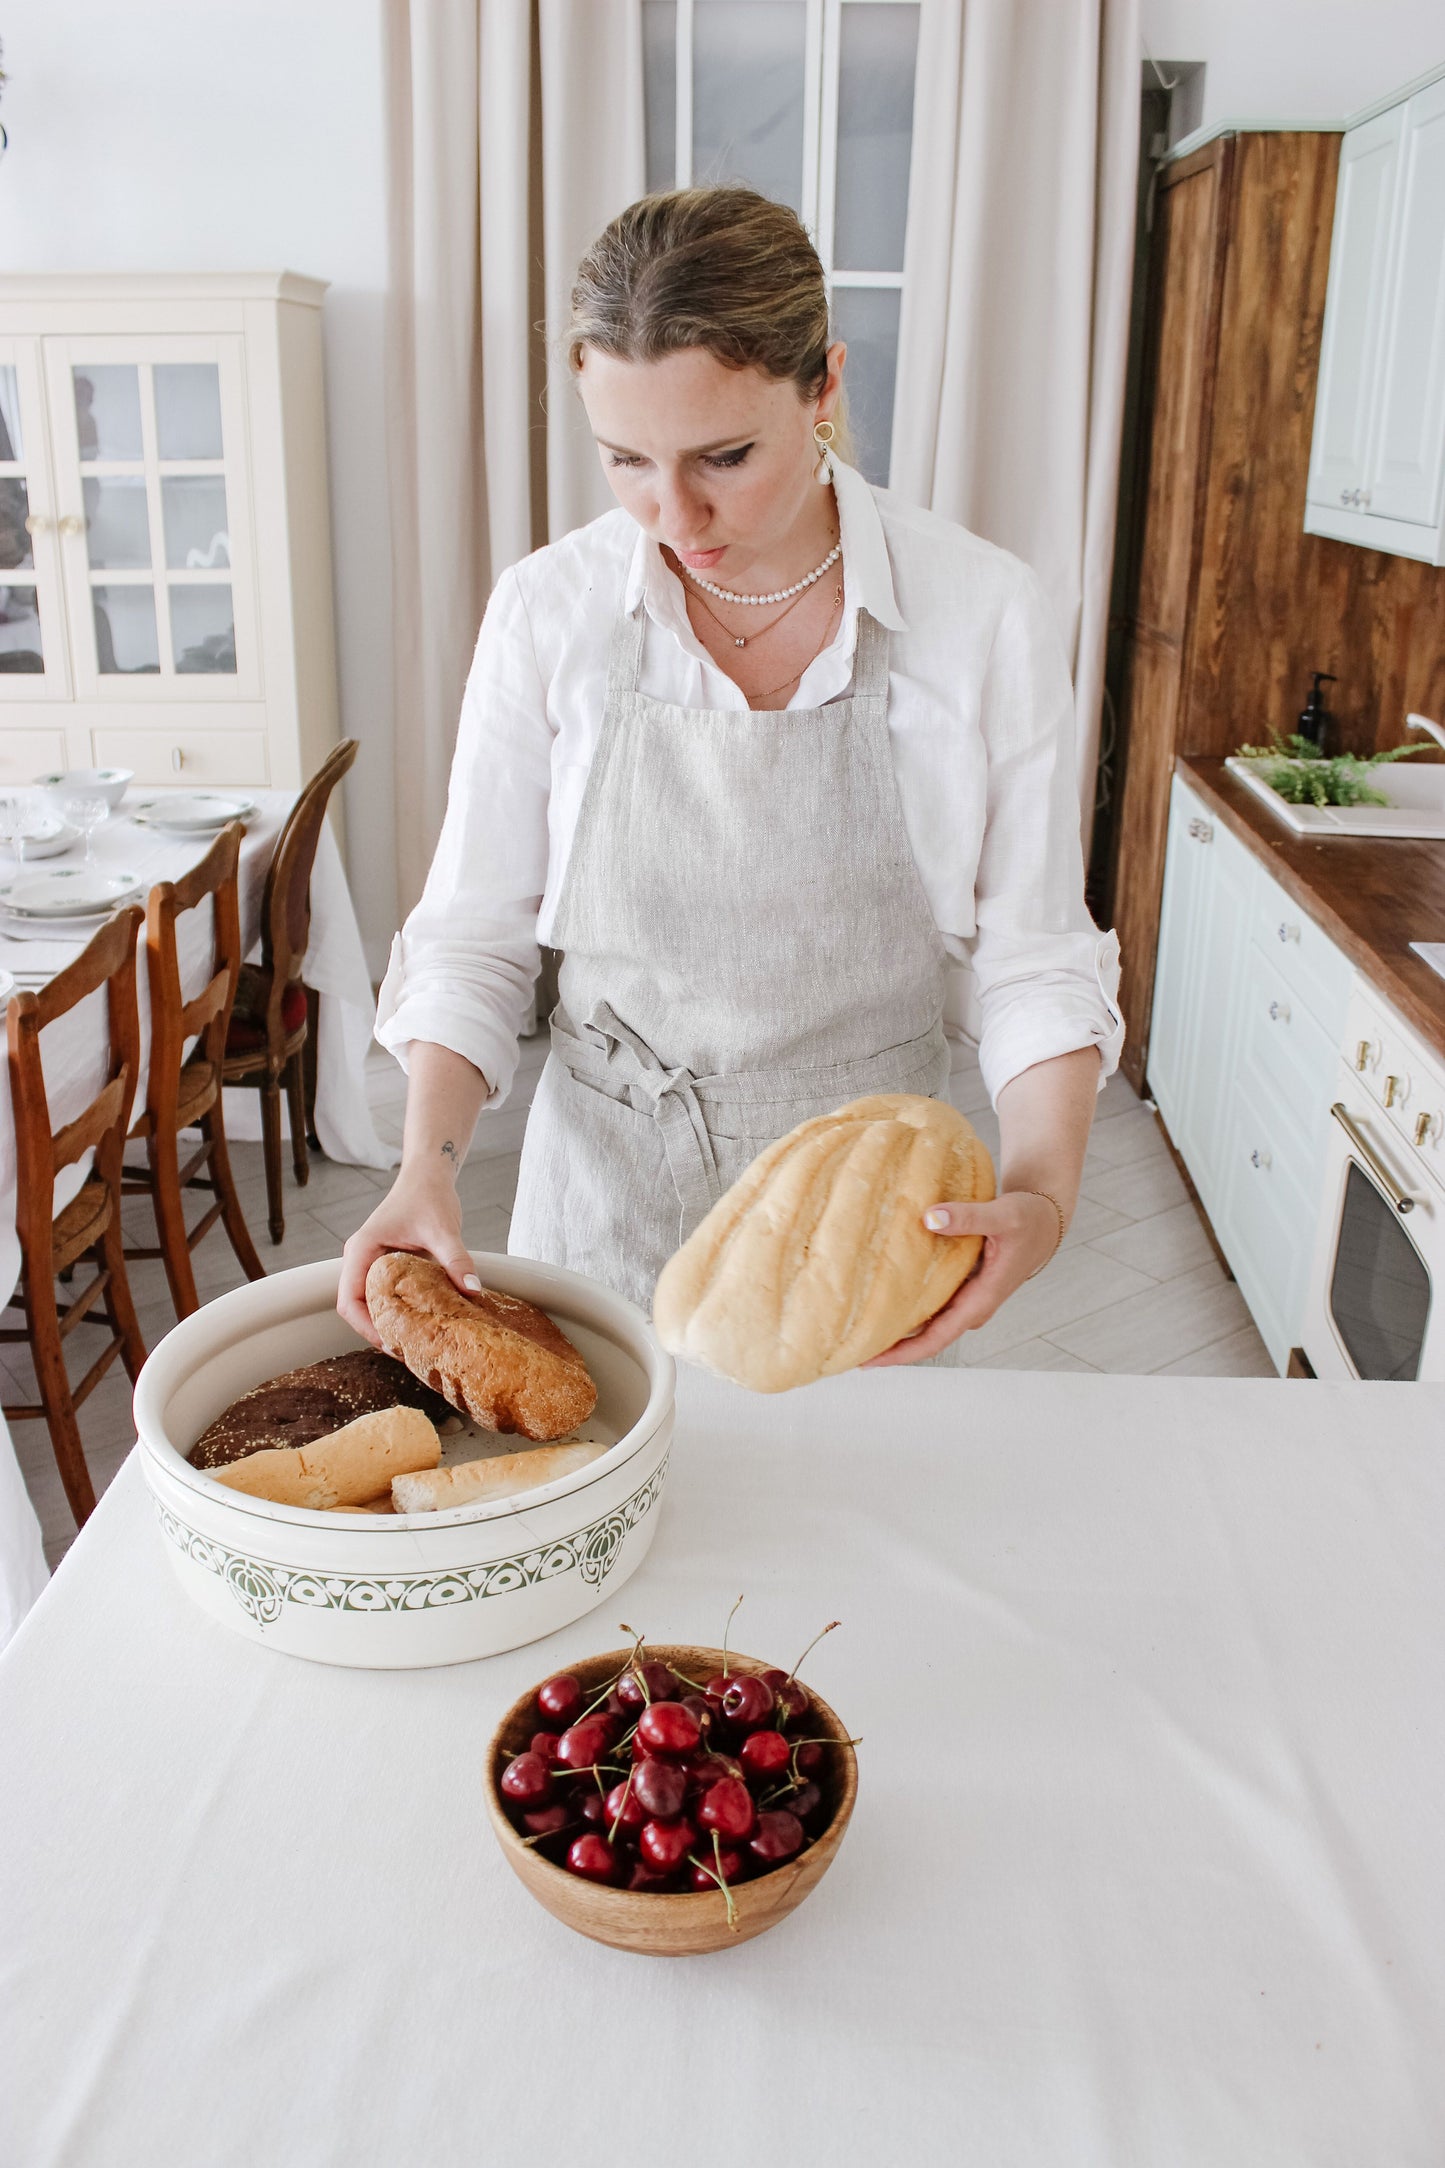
(90,1223)
(265,1046)
(185,1093)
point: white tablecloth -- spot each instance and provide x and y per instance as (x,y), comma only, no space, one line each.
(74,1054)
(1146,1865)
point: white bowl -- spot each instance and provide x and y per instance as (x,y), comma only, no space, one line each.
(392,1592)
(107,783)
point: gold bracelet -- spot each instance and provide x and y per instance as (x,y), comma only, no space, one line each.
(1063,1223)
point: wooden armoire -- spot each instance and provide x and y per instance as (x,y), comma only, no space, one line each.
(1229,604)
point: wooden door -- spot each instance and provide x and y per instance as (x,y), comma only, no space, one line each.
(1179,365)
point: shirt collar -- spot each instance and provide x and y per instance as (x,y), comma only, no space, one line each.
(865,559)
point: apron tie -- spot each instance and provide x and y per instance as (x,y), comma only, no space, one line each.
(670,1097)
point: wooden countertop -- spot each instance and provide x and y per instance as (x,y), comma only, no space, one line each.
(1372,898)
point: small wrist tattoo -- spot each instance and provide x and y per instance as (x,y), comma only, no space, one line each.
(449,1151)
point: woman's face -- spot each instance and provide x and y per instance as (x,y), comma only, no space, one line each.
(714,463)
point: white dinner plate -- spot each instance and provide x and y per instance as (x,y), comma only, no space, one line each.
(194,812)
(66,892)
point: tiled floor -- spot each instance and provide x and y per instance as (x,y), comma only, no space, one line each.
(1135,1288)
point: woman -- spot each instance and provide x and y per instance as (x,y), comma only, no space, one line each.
(759,752)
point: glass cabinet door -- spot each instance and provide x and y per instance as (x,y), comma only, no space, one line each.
(33,657)
(151,474)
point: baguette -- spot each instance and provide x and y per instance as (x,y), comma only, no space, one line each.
(350,1468)
(505,1475)
(492,1356)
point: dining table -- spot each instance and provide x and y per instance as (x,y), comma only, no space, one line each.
(1146,1868)
(131,846)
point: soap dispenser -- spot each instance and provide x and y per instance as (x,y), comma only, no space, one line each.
(1315,717)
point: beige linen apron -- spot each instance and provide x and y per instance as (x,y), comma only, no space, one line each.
(747,944)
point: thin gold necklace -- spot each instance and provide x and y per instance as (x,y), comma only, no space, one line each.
(741,639)
(798,675)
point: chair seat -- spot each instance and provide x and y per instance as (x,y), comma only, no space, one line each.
(247,1034)
(197,1091)
(83,1221)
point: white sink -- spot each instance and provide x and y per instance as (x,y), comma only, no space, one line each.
(1416,805)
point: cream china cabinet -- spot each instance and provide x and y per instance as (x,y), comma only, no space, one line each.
(165,551)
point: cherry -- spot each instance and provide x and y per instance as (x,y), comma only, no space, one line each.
(706,1769)
(592,1857)
(647,1682)
(583,1744)
(644,1878)
(545,1744)
(727,1865)
(727,1807)
(805,1803)
(590,1804)
(614,1706)
(665,1727)
(810,1757)
(527,1781)
(546,1821)
(779,1836)
(717,1686)
(702,1709)
(624,1810)
(792,1699)
(764,1753)
(560,1699)
(665,1845)
(747,1703)
(661,1787)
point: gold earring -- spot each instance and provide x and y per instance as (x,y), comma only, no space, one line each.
(823,434)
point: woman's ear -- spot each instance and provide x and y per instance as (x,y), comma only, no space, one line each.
(833,383)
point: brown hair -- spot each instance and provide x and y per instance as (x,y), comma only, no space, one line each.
(721,268)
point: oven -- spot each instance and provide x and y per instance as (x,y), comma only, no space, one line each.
(1376,1306)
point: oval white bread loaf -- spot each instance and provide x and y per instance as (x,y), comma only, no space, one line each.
(817,1257)
(493,1356)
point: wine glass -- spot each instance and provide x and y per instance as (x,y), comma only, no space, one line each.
(85,810)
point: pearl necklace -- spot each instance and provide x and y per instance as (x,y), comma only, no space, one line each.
(726,594)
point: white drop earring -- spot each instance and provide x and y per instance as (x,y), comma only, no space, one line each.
(823,434)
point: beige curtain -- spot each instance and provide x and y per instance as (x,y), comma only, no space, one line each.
(1016,296)
(515,131)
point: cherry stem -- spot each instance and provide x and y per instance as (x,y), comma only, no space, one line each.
(718,1877)
(832,1623)
(726,1631)
(622,1809)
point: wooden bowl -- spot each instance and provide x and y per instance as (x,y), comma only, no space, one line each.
(688,1923)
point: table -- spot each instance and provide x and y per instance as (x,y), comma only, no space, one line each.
(1146,1865)
(74,1052)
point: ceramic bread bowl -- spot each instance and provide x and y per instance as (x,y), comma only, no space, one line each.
(399,1591)
(665,1925)
(110,784)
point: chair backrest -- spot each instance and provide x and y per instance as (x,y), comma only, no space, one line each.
(108,960)
(286,904)
(173,1020)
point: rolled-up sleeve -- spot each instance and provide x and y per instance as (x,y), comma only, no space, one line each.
(463,967)
(1047,979)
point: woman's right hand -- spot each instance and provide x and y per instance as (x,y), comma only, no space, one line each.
(421,1213)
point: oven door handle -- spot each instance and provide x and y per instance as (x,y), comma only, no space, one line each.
(1399,1198)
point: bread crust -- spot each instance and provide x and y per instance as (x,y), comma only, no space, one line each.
(494,1357)
(817,1257)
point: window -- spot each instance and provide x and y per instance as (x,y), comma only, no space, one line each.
(811,102)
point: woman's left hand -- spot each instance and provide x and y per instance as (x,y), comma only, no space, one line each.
(1021,1233)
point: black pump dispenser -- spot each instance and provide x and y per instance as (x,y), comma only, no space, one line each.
(1315,717)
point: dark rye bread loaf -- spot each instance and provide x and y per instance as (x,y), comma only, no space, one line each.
(310,1403)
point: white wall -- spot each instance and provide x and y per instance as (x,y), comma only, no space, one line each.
(1296,59)
(235,135)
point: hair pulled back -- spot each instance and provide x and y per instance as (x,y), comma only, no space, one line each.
(721,268)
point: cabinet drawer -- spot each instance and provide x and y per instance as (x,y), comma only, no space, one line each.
(1303,955)
(184,756)
(1288,1062)
(24,754)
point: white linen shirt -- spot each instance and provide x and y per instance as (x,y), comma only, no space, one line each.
(981,722)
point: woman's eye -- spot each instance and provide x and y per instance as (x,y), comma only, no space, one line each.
(624,459)
(729,459)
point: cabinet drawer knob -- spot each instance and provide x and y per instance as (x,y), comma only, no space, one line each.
(37,523)
(1279,1012)
(1394,1089)
(72,524)
(1364,1054)
(1424,1128)
(1202,831)
(178,759)
(1288,932)
(1345,497)
(1259,1158)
